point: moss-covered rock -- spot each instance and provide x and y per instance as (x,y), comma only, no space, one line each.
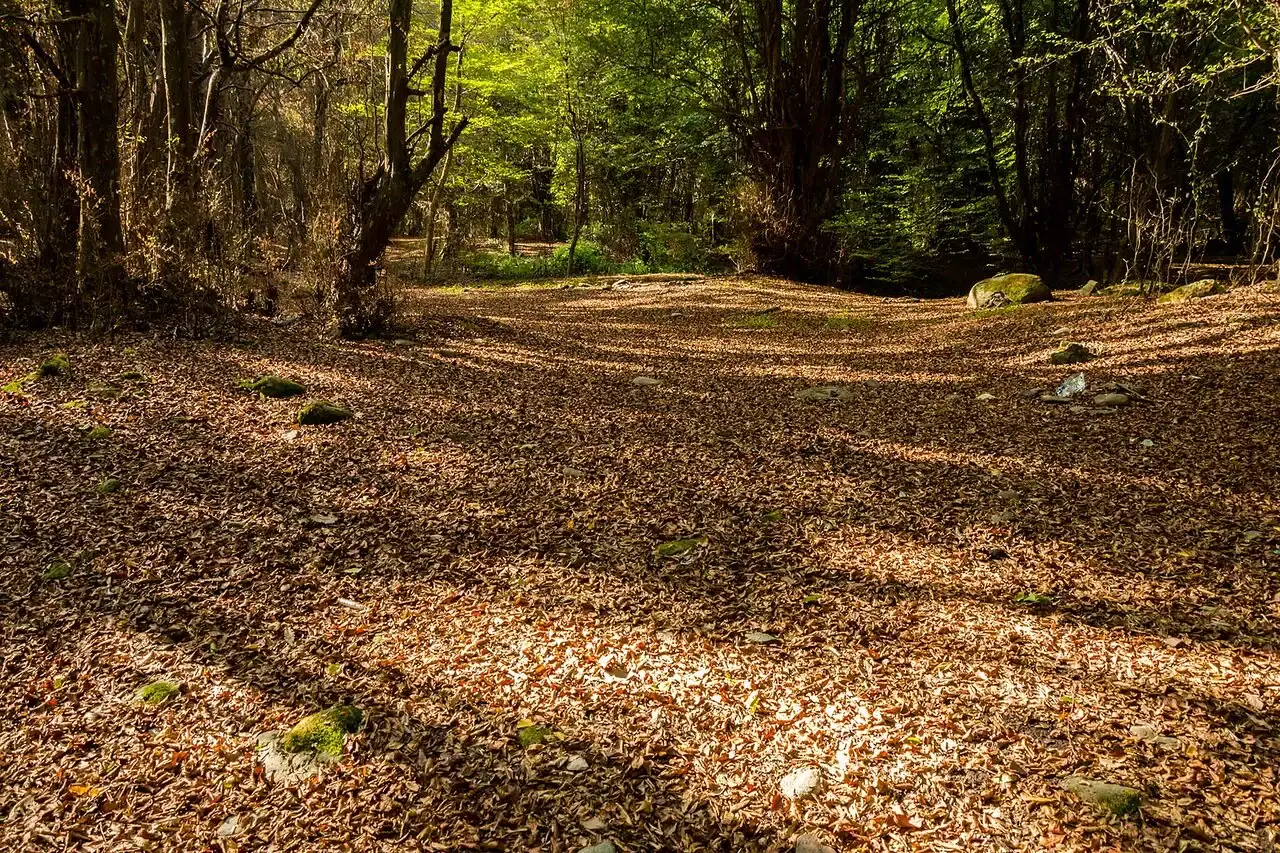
(109,486)
(102,392)
(98,433)
(55,365)
(56,571)
(324,732)
(274,386)
(676,547)
(1012,289)
(132,376)
(1072,354)
(158,692)
(1195,290)
(322,412)
(1118,800)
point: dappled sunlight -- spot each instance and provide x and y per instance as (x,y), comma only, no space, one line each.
(695,587)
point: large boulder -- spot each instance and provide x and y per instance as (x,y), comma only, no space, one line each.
(1011,289)
(1195,290)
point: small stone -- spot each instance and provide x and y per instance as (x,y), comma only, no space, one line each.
(810,843)
(1054,398)
(1112,399)
(646,381)
(577,764)
(985,396)
(229,827)
(800,784)
(1147,443)
(1119,800)
(324,520)
(602,847)
(761,638)
(824,392)
(1152,735)
(576,473)
(1090,288)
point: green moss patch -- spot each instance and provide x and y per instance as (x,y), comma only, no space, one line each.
(109,486)
(56,571)
(324,732)
(274,386)
(322,412)
(158,692)
(19,386)
(676,547)
(132,376)
(1195,290)
(848,323)
(55,365)
(98,433)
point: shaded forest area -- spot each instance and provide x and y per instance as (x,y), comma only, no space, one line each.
(167,159)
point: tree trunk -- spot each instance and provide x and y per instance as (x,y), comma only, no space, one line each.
(510,208)
(381,201)
(101,247)
(57,237)
(176,73)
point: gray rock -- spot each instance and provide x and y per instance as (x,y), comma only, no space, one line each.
(646,381)
(802,783)
(229,827)
(1152,735)
(810,843)
(1090,288)
(577,764)
(824,392)
(576,473)
(760,638)
(1118,800)
(602,847)
(985,396)
(1054,398)
(1111,399)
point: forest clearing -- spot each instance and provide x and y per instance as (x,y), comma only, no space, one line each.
(597,576)
(604,426)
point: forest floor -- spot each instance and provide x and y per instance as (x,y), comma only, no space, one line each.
(944,604)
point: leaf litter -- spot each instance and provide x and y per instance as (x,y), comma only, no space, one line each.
(473,592)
